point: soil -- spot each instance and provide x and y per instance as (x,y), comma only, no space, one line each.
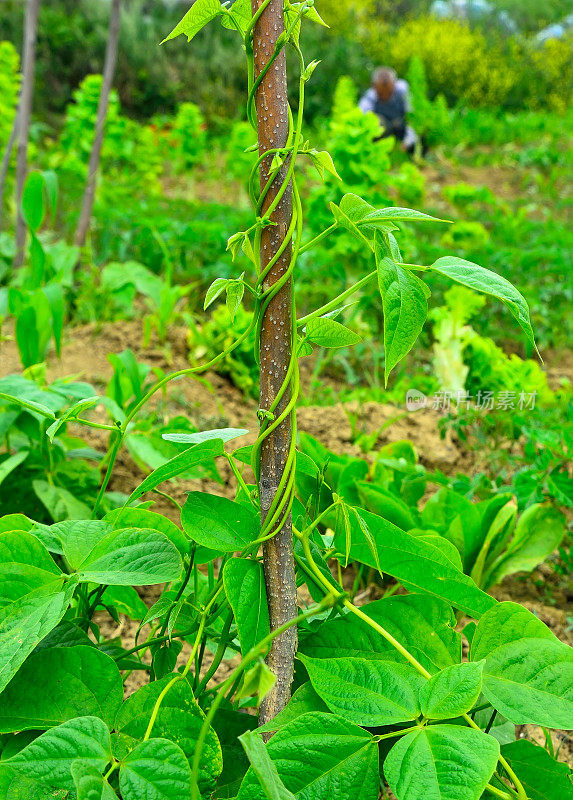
(214,402)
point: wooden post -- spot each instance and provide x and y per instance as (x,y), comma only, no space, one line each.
(275,352)
(103,105)
(23,117)
(5,166)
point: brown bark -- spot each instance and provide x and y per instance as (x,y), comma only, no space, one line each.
(24,113)
(275,353)
(103,105)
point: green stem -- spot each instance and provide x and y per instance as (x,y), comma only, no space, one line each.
(498,792)
(319,238)
(218,657)
(145,399)
(254,653)
(333,304)
(401,732)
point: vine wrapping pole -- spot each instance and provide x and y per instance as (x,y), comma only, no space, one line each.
(275,350)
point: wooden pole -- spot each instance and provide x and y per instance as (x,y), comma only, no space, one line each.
(5,166)
(275,352)
(103,105)
(24,113)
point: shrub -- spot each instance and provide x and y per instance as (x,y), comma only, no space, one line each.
(350,138)
(9,86)
(429,118)
(190,136)
(552,79)
(458,61)
(129,160)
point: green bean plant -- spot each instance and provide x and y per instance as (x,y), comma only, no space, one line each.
(35,298)
(383,696)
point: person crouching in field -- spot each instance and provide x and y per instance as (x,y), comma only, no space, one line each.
(388,98)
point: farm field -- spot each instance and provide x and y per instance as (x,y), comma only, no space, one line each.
(286,412)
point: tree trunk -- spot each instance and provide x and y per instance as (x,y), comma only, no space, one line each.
(6,164)
(103,105)
(275,354)
(23,117)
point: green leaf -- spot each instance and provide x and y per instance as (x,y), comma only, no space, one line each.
(58,684)
(25,565)
(312,14)
(235,292)
(176,466)
(452,692)
(257,682)
(125,600)
(441,762)
(449,550)
(229,725)
(155,770)
(321,757)
(75,539)
(51,186)
(419,565)
(33,203)
(9,464)
(244,583)
(60,503)
(495,540)
(422,624)
(397,215)
(487,282)
(219,523)
(132,557)
(15,785)
(303,701)
(355,208)
(25,622)
(54,294)
(49,758)
(264,768)
(15,522)
(144,518)
(543,777)
(89,782)
(505,623)
(243,14)
(72,413)
(538,533)
(405,304)
(367,692)
(199,15)
(327,332)
(531,681)
(66,634)
(217,288)
(456,518)
(385,504)
(225,434)
(179,719)
(323,162)
(29,405)
(351,210)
